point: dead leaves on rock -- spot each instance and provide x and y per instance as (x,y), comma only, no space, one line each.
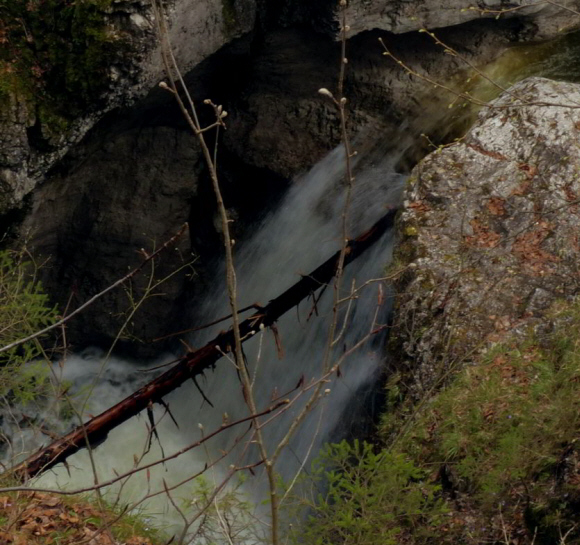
(420,206)
(493,154)
(528,248)
(529,170)
(43,519)
(496,206)
(522,189)
(483,236)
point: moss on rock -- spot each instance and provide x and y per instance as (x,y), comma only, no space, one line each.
(229,16)
(56,57)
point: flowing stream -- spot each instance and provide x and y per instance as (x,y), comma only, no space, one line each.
(301,233)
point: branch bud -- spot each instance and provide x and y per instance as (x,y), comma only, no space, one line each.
(325,92)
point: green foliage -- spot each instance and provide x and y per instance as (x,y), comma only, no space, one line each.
(506,429)
(24,309)
(371,498)
(55,55)
(493,454)
(128,525)
(519,405)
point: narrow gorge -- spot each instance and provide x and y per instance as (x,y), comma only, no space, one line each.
(99,168)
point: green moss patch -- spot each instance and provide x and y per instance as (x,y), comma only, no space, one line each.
(55,56)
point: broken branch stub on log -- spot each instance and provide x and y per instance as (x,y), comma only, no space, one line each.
(95,431)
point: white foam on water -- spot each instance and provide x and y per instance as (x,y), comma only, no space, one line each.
(300,234)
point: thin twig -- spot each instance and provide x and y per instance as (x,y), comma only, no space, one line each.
(94,298)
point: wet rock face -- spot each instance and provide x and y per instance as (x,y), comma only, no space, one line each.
(128,174)
(491,227)
(30,144)
(279,121)
(198,29)
(91,224)
(126,190)
(406,15)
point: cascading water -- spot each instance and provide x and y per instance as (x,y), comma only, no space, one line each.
(299,235)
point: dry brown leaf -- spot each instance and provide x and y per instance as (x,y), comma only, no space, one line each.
(483,235)
(419,206)
(522,189)
(529,170)
(496,206)
(51,502)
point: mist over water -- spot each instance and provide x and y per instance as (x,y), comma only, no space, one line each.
(296,237)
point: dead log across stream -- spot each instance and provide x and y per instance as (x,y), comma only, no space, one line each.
(96,430)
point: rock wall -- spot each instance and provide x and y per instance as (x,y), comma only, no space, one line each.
(401,16)
(490,230)
(32,143)
(125,174)
(405,16)
(196,30)
(279,121)
(89,224)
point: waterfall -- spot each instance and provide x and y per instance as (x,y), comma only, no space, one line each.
(302,232)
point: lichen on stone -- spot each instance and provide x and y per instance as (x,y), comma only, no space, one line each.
(498,237)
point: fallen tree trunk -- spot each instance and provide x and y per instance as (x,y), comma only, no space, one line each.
(96,430)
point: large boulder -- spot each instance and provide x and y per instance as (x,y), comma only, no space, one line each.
(490,229)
